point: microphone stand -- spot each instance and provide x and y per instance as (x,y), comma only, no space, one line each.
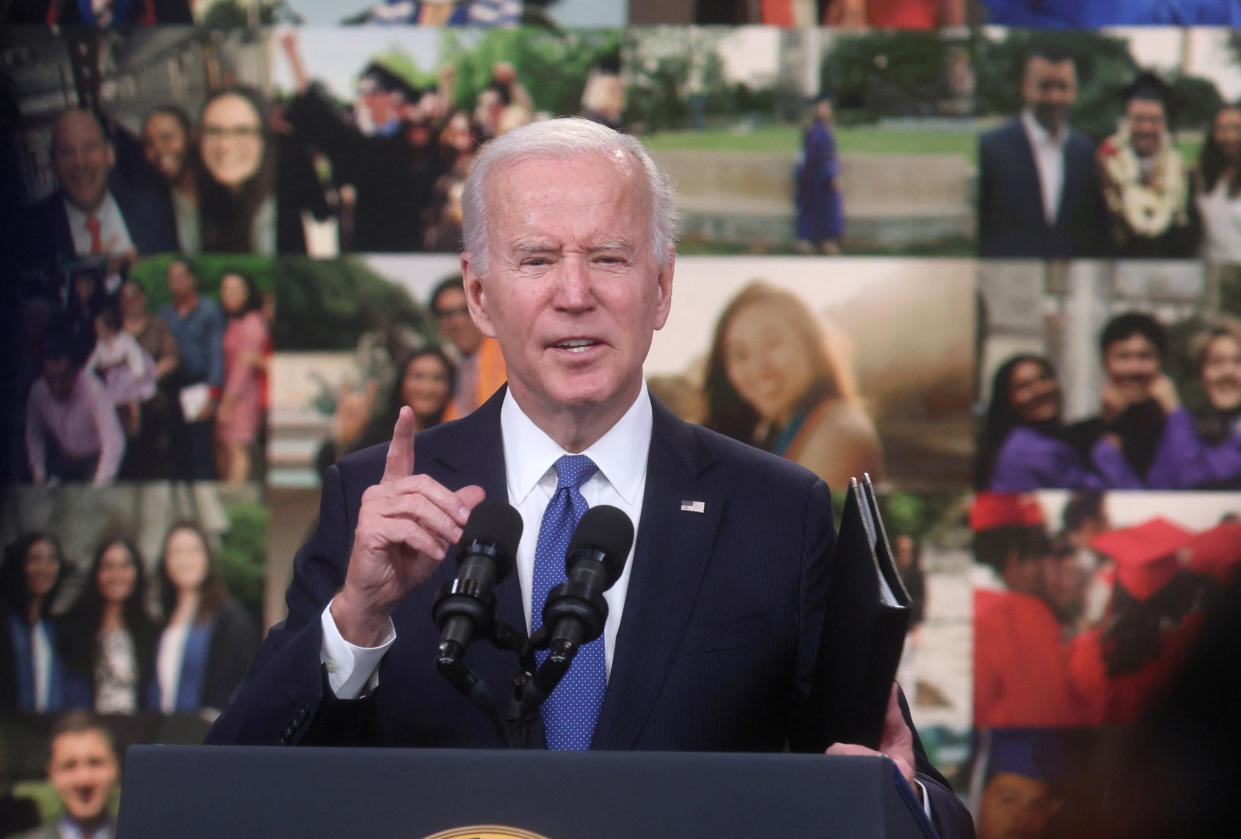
(530,685)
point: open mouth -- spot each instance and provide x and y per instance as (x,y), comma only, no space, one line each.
(576,345)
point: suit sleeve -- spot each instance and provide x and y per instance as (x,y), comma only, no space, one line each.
(949,815)
(985,174)
(285,695)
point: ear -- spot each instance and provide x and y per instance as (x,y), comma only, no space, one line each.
(663,284)
(476,296)
(111,153)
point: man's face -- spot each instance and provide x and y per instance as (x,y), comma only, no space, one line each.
(60,375)
(1049,89)
(1146,125)
(1068,579)
(1030,575)
(83,770)
(81,159)
(382,106)
(1014,807)
(573,293)
(180,280)
(1132,365)
(455,323)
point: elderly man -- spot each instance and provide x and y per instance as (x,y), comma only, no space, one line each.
(712,635)
(1037,191)
(92,213)
(84,771)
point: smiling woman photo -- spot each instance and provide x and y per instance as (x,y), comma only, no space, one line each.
(1203,449)
(31,670)
(236,198)
(773,380)
(169,145)
(207,639)
(107,636)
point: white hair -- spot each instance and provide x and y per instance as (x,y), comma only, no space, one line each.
(560,138)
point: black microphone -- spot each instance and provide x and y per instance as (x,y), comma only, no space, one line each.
(576,610)
(486,554)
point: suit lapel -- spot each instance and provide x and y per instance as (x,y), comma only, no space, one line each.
(673,547)
(64,233)
(475,454)
(1028,170)
(1077,171)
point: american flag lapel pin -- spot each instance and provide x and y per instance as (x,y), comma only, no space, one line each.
(693,506)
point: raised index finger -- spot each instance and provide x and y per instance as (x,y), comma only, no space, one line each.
(400,462)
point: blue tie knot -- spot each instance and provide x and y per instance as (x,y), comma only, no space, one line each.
(573,470)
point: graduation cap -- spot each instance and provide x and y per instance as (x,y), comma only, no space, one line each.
(1216,552)
(1004,509)
(1012,753)
(381,78)
(1149,87)
(1030,753)
(1146,555)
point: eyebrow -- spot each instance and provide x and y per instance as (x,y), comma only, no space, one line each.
(537,246)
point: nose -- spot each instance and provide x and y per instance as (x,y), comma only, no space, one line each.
(573,286)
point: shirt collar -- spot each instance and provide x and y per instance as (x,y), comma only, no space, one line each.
(529,453)
(106,210)
(1040,135)
(70,828)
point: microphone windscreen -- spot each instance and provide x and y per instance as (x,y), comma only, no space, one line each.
(608,530)
(496,523)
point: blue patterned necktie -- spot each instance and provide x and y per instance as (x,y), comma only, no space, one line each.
(569,714)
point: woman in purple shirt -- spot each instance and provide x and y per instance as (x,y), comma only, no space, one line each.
(1023,445)
(1201,446)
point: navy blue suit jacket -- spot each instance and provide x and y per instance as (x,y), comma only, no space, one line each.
(147,214)
(1010,200)
(716,647)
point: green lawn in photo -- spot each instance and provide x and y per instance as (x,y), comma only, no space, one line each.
(850,139)
(863,139)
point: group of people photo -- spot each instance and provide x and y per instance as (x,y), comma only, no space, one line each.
(120,389)
(1152,431)
(1047,190)
(1085,606)
(162,635)
(357,282)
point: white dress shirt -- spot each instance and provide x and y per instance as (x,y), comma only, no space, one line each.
(41,646)
(1049,160)
(1221,218)
(113,234)
(529,465)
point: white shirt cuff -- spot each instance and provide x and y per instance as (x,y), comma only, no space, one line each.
(351,670)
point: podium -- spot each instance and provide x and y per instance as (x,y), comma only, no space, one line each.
(213,791)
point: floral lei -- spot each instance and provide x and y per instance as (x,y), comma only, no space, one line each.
(1148,209)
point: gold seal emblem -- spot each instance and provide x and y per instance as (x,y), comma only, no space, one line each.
(486,831)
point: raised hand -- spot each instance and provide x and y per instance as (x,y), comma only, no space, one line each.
(406,524)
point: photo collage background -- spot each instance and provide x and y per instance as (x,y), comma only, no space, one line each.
(285,188)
